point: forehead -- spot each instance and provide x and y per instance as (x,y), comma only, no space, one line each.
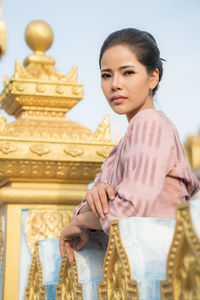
(118,55)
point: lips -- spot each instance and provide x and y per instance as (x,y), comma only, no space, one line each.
(118,99)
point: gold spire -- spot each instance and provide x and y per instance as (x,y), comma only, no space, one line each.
(39,37)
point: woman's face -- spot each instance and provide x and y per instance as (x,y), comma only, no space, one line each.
(125,82)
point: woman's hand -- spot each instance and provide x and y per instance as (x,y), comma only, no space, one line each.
(98,197)
(67,239)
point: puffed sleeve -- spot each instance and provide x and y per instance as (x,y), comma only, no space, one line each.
(146,160)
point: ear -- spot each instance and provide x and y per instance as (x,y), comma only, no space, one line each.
(154,79)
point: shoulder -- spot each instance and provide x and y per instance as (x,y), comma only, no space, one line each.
(151,117)
(150,125)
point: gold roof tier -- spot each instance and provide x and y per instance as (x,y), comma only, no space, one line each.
(42,145)
(2,34)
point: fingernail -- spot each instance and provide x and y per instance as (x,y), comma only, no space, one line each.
(105,211)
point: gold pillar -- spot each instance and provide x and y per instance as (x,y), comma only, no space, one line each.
(46,160)
(192,149)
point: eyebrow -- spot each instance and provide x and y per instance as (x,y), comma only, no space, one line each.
(121,68)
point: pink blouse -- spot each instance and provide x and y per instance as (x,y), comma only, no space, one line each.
(148,169)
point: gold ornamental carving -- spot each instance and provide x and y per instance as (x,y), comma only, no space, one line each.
(103,131)
(104,151)
(40,149)
(7,147)
(192,149)
(183,264)
(1,244)
(33,170)
(35,290)
(68,286)
(45,224)
(117,282)
(73,150)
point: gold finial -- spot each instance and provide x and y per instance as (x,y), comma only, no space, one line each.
(39,36)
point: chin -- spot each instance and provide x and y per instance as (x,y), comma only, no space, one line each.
(119,110)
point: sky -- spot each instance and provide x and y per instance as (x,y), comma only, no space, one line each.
(80,27)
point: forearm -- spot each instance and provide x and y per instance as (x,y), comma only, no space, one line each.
(87,220)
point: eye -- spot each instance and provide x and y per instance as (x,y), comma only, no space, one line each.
(129,72)
(105,75)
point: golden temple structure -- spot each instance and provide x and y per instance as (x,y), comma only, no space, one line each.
(46,164)
(46,160)
(192,149)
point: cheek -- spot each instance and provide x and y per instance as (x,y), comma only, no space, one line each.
(104,87)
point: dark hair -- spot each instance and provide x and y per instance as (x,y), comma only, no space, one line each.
(141,43)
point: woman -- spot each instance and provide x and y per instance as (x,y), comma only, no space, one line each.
(147,174)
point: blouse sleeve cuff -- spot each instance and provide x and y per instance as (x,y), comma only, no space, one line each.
(78,208)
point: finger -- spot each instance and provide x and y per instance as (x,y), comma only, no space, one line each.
(99,201)
(103,198)
(62,247)
(69,250)
(111,192)
(84,238)
(80,244)
(91,204)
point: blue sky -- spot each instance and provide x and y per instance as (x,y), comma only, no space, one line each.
(80,28)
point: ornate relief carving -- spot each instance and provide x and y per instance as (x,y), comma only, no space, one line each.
(40,88)
(1,246)
(104,151)
(183,264)
(60,171)
(40,149)
(19,87)
(44,71)
(5,128)
(7,147)
(72,75)
(60,90)
(103,131)
(35,290)
(73,150)
(76,91)
(43,224)
(117,282)
(69,287)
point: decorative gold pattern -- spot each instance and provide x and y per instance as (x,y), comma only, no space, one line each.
(69,288)
(183,264)
(5,128)
(35,290)
(40,149)
(117,282)
(43,224)
(73,150)
(192,149)
(104,151)
(39,96)
(54,171)
(1,244)
(7,147)
(103,131)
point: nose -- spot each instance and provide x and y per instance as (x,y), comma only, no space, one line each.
(116,83)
